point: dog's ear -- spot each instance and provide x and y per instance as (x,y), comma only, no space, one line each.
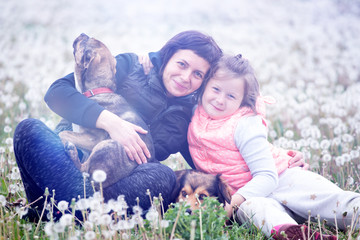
(180,178)
(224,190)
(89,55)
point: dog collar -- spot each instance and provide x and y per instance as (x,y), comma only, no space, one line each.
(96,91)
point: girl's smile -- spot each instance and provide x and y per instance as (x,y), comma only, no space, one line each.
(222,97)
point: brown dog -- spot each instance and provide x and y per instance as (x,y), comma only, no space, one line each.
(193,186)
(95,69)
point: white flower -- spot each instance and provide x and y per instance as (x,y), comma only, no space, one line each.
(90,235)
(164,223)
(49,229)
(2,201)
(82,204)
(66,220)
(326,157)
(152,215)
(63,205)
(99,176)
(7,129)
(325,144)
(289,134)
(105,219)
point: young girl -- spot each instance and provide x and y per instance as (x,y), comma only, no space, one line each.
(228,135)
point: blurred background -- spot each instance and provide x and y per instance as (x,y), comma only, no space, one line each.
(305,53)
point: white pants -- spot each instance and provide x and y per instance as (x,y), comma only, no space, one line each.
(300,191)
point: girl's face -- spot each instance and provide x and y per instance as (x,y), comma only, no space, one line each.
(184,73)
(223,97)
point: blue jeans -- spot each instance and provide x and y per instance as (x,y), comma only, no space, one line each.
(43,163)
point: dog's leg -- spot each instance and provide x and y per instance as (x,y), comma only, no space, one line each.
(82,140)
(72,152)
(110,157)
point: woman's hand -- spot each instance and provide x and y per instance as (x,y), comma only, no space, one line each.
(126,134)
(297,160)
(144,60)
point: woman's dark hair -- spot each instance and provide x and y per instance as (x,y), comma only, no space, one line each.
(236,67)
(203,45)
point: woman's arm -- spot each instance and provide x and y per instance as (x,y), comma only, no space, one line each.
(126,134)
(66,101)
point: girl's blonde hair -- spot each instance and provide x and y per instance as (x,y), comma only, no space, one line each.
(236,67)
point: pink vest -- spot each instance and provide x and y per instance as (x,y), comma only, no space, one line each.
(213,149)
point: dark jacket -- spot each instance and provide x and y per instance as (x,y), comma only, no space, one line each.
(167,118)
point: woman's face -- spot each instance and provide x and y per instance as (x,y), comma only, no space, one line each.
(184,73)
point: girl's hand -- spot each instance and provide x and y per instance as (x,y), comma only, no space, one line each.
(126,134)
(144,60)
(297,160)
(236,200)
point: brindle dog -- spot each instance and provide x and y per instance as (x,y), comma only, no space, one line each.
(193,186)
(95,68)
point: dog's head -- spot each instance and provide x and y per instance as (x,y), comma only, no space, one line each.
(193,186)
(94,64)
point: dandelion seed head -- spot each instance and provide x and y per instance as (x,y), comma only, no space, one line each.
(9,141)
(164,223)
(105,220)
(137,210)
(325,144)
(354,154)
(289,134)
(152,215)
(82,204)
(94,217)
(22,211)
(99,176)
(88,225)
(326,158)
(2,200)
(90,235)
(7,129)
(49,229)
(63,205)
(66,220)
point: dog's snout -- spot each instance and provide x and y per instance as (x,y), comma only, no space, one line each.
(189,211)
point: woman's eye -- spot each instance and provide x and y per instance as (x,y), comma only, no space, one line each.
(198,75)
(183,193)
(181,64)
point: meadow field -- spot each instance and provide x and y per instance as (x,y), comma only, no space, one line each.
(306,55)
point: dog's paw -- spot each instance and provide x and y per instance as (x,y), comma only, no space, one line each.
(69,146)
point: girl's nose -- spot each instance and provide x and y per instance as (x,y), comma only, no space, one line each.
(220,99)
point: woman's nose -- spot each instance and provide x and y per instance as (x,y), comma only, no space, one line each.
(186,75)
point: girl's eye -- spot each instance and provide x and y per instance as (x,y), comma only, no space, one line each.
(231,96)
(183,193)
(216,89)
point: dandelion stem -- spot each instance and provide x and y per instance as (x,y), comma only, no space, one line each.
(43,210)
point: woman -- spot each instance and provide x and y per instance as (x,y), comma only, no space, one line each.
(164,98)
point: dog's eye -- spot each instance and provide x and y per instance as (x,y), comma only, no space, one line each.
(202,196)
(183,193)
